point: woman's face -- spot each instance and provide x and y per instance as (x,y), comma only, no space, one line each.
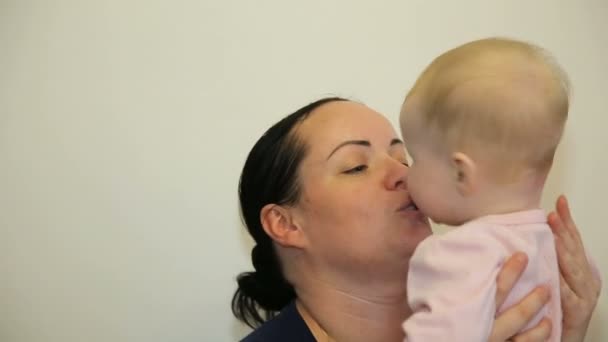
(355,209)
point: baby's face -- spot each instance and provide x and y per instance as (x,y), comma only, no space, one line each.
(431,179)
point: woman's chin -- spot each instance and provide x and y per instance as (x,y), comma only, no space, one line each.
(411,233)
(415,220)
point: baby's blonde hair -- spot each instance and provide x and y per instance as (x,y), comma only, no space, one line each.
(496,95)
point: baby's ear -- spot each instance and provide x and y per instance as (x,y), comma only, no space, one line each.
(465,174)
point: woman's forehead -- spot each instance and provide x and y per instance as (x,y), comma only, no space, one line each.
(336,122)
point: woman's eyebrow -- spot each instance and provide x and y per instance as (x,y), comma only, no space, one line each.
(365,143)
(350,142)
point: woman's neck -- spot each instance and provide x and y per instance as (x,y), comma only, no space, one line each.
(337,314)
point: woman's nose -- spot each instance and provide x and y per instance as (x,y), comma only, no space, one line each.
(397,176)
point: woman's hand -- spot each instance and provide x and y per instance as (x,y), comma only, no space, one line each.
(508,323)
(579,287)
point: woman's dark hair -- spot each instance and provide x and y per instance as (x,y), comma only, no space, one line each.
(270,175)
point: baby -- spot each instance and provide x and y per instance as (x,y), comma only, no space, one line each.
(481,125)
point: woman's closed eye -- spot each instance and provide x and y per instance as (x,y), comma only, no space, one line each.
(356,169)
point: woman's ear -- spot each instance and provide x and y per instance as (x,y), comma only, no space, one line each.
(279,224)
(465,173)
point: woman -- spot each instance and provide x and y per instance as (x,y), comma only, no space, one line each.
(323,195)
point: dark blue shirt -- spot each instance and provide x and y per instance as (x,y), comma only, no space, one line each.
(287,326)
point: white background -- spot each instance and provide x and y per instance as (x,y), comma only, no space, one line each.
(124,125)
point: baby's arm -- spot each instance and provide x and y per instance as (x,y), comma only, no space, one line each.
(452,287)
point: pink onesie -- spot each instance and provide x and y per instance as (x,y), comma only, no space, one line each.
(451,282)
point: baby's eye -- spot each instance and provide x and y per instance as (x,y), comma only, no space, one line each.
(356,169)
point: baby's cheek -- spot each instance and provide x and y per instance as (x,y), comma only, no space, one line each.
(413,181)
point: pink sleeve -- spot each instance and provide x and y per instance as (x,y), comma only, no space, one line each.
(452,287)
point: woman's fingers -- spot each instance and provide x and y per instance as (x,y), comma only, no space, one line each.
(540,333)
(514,319)
(563,210)
(512,269)
(579,284)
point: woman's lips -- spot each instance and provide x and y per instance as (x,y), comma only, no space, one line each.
(408,206)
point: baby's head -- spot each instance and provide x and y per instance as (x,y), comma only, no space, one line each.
(483,120)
